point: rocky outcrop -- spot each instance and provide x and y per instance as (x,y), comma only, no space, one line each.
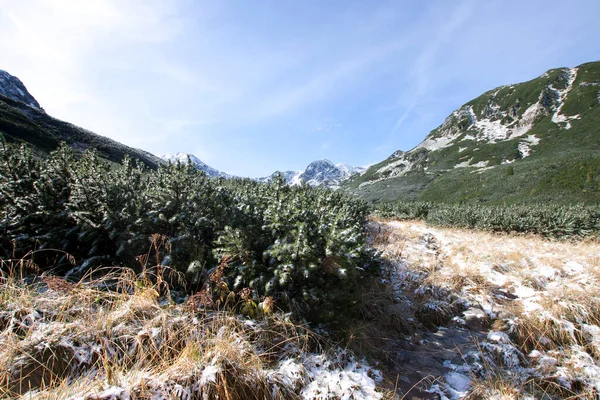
(13,88)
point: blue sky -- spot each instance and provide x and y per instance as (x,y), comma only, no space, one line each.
(253,86)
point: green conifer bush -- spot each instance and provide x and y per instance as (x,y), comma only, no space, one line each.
(543,219)
(304,247)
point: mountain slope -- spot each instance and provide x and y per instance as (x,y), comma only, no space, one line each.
(22,120)
(13,88)
(534,141)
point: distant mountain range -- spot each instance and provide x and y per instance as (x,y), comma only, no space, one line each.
(317,173)
(23,120)
(537,141)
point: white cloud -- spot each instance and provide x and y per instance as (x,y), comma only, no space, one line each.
(58,49)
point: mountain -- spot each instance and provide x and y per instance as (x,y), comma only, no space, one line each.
(23,120)
(289,176)
(13,88)
(196,162)
(537,141)
(319,173)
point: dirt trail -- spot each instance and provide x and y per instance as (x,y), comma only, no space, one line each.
(458,290)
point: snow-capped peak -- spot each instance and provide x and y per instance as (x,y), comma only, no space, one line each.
(319,173)
(196,162)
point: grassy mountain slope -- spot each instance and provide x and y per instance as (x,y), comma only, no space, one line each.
(537,141)
(22,123)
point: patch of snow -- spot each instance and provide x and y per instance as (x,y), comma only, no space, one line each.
(209,374)
(573,267)
(437,143)
(350,381)
(398,168)
(459,382)
(481,170)
(464,164)
(557,117)
(492,130)
(498,337)
(524,149)
(524,292)
(112,393)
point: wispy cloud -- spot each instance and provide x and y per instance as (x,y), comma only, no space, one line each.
(421,71)
(327,127)
(327,81)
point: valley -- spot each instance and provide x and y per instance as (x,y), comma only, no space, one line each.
(465,268)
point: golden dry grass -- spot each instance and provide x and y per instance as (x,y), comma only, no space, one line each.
(545,294)
(59,340)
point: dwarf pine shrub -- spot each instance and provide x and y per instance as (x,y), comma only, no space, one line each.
(305,247)
(543,219)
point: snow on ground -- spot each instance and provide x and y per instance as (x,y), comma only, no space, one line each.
(536,302)
(524,149)
(98,345)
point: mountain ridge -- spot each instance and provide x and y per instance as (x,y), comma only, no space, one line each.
(535,141)
(318,173)
(533,136)
(196,162)
(23,120)
(321,172)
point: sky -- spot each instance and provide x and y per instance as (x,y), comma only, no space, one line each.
(254,86)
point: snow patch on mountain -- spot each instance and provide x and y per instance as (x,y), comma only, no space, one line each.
(13,88)
(494,130)
(184,158)
(524,147)
(449,132)
(557,117)
(464,164)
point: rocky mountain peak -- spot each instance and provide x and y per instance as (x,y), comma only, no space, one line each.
(13,88)
(321,170)
(319,173)
(396,154)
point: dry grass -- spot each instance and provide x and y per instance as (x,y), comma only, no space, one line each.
(495,387)
(544,294)
(60,341)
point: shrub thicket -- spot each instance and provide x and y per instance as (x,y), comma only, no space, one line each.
(546,220)
(303,246)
